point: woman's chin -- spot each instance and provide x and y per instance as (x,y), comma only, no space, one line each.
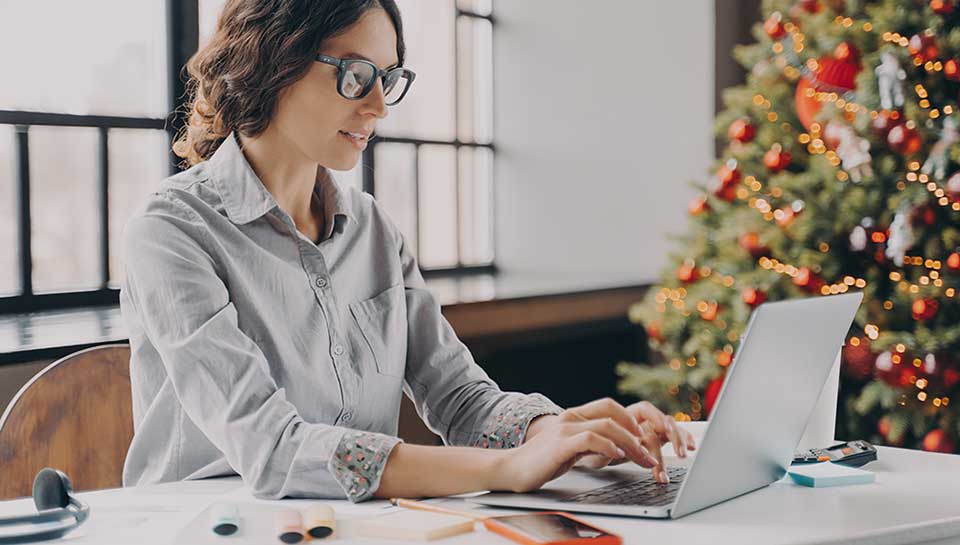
(345,161)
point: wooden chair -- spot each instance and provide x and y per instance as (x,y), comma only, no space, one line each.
(75,415)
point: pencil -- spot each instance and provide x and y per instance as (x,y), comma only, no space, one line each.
(412,504)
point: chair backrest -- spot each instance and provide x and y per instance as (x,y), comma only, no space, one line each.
(75,415)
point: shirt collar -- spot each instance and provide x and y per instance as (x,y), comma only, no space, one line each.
(245,198)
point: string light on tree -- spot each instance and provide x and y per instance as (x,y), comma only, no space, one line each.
(832,224)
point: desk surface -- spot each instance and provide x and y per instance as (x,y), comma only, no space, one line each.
(916,499)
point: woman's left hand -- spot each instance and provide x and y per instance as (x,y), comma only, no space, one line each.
(656,429)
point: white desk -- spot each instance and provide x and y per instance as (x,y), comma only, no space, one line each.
(916,499)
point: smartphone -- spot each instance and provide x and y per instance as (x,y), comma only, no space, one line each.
(549,528)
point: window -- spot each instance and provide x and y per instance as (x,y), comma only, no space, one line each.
(82,135)
(86,134)
(432,165)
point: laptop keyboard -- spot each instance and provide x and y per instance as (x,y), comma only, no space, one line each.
(645,491)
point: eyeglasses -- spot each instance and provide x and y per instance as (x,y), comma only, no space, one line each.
(356,77)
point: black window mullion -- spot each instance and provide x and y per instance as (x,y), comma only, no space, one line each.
(183,39)
(367,169)
(416,200)
(103,171)
(23,209)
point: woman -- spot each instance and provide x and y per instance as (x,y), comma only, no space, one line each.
(276,318)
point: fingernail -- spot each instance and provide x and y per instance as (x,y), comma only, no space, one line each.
(620,453)
(664,477)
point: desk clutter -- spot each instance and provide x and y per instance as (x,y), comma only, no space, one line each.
(298,521)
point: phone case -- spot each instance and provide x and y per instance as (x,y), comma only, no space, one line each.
(513,534)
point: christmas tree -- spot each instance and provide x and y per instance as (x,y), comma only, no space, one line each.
(841,171)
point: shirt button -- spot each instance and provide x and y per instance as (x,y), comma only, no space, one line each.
(322,282)
(347,416)
(338,350)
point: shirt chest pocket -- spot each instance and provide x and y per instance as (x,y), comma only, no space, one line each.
(383,322)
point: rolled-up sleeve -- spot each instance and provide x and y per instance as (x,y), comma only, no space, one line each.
(452,394)
(220,375)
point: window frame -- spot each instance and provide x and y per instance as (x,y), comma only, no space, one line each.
(369,164)
(182,32)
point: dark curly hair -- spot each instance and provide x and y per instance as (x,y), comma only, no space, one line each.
(259,48)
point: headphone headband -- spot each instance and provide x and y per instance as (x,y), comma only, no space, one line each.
(55,504)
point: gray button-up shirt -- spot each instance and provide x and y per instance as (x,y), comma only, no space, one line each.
(259,352)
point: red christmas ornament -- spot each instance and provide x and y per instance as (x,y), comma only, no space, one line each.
(885,121)
(831,75)
(950,377)
(807,280)
(785,216)
(727,178)
(753,297)
(924,214)
(942,7)
(884,427)
(654,332)
(750,241)
(698,206)
(742,130)
(776,159)
(953,261)
(710,311)
(924,46)
(711,393)
(924,309)
(904,140)
(809,6)
(773,26)
(857,359)
(724,358)
(938,441)
(951,69)
(687,272)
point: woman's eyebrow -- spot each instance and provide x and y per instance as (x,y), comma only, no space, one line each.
(353,55)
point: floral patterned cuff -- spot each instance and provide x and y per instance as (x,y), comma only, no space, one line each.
(508,427)
(359,460)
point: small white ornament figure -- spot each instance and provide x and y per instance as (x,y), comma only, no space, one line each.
(936,164)
(901,236)
(858,239)
(889,78)
(854,153)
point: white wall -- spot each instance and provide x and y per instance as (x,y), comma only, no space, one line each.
(604,113)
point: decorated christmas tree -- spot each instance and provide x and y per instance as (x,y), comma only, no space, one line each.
(841,171)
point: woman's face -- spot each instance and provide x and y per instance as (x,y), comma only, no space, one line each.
(311,113)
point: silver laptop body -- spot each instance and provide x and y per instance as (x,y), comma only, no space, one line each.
(770,391)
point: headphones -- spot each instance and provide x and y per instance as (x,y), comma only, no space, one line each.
(58,511)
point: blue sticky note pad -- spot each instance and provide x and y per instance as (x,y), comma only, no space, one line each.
(829,474)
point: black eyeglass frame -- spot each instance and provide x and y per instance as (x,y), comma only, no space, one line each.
(342,64)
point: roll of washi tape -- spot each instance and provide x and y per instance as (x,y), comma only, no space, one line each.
(319,520)
(289,525)
(224,519)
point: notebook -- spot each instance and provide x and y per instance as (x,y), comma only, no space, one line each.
(829,474)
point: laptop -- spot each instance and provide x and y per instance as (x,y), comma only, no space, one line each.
(770,391)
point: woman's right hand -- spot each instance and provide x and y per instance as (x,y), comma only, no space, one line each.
(566,438)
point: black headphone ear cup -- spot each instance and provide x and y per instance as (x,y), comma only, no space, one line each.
(51,489)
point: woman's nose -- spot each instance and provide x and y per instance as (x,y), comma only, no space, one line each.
(376,102)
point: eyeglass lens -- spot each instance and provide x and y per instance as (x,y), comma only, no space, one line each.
(358,75)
